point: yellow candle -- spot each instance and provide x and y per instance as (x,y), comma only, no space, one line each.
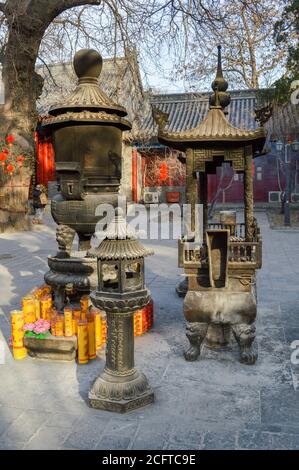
(17,332)
(91,337)
(98,329)
(82,342)
(37,308)
(138,323)
(59,325)
(28,307)
(53,326)
(44,306)
(84,301)
(77,313)
(75,326)
(50,301)
(68,321)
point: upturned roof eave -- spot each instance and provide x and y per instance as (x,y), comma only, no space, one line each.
(215,119)
(121,249)
(181,139)
(82,117)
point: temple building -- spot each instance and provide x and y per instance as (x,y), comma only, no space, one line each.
(155,173)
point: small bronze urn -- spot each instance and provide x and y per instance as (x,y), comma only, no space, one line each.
(86,130)
(121,290)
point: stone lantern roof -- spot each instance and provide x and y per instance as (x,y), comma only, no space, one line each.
(214,128)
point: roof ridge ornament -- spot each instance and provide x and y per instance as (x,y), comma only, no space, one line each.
(160,118)
(220,98)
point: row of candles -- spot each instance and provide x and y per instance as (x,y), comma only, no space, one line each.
(86,322)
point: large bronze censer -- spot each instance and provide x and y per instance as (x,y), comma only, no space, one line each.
(87,135)
(220,268)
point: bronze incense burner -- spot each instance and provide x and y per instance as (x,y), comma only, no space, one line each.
(221,268)
(87,134)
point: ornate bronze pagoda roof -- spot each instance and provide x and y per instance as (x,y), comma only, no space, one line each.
(120,242)
(214,128)
(88,102)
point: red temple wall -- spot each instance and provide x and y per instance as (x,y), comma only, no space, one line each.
(264,178)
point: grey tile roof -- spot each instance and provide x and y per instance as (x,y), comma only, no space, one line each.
(187,110)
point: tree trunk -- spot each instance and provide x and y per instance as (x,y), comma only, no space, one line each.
(14,191)
(27,23)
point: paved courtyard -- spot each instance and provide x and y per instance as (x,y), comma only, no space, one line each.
(214,403)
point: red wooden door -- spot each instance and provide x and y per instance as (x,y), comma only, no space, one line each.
(45,171)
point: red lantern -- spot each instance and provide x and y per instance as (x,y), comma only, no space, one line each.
(3,157)
(163,171)
(10,139)
(20,160)
(5,151)
(10,168)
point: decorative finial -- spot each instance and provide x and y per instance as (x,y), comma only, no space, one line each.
(160,118)
(219,98)
(88,64)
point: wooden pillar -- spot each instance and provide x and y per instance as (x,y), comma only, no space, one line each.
(248,194)
(191,186)
(203,195)
(134,175)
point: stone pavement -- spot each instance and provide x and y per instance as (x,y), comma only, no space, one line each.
(215,403)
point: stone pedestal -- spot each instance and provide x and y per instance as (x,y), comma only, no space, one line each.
(213,314)
(121,387)
(54,348)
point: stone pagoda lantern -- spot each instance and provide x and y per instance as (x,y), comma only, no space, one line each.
(220,268)
(86,131)
(121,290)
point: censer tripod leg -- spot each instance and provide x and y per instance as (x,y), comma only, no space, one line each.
(245,336)
(196,333)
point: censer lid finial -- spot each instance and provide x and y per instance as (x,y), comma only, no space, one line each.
(88,63)
(220,98)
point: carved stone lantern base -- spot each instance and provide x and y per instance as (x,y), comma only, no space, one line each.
(120,387)
(120,393)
